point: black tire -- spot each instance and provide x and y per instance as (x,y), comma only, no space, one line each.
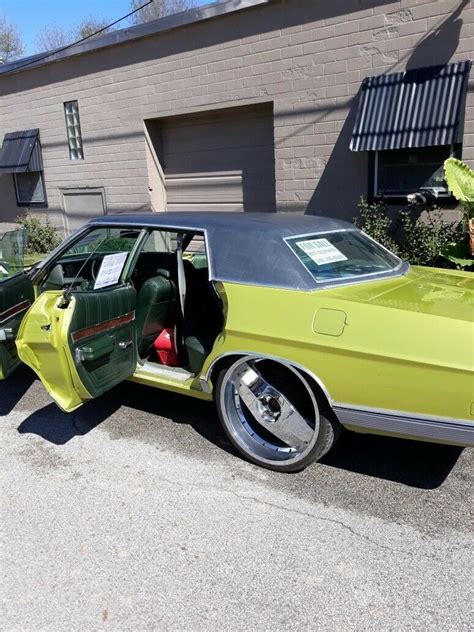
(327,434)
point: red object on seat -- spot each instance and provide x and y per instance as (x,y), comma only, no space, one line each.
(166,349)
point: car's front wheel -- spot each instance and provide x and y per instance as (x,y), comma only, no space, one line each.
(271,414)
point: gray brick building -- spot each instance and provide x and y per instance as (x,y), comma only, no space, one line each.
(253,105)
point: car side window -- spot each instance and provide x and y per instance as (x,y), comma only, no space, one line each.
(196,252)
(94,262)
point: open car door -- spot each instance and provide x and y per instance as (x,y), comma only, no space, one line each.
(80,346)
(16,296)
(79,336)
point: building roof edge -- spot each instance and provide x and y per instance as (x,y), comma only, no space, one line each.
(121,36)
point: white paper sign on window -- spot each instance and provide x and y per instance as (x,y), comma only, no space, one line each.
(321,251)
(110,270)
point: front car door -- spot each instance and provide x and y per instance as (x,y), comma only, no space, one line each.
(79,336)
(16,296)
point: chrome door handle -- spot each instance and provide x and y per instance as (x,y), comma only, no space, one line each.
(125,345)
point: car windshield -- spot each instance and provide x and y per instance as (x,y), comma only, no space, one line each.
(339,255)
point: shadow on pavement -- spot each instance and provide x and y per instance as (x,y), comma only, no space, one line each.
(57,427)
(180,409)
(412,463)
(14,388)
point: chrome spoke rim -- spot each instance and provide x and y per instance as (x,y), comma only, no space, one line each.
(272,410)
(267,423)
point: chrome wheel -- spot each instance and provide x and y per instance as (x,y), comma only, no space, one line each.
(269,412)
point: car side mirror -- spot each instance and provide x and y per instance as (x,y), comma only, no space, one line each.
(55,279)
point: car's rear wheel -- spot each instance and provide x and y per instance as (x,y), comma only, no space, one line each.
(270,413)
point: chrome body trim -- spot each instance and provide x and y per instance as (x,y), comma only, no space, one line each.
(204,384)
(205,377)
(16,310)
(410,425)
(399,413)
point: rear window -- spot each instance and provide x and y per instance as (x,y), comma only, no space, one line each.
(335,256)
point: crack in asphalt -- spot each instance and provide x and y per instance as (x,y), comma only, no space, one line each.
(334,521)
(305,514)
(76,423)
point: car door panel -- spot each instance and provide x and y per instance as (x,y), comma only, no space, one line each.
(16,296)
(82,347)
(102,338)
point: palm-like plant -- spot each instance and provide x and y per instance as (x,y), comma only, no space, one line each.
(460,179)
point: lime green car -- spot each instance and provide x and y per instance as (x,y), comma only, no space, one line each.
(295,326)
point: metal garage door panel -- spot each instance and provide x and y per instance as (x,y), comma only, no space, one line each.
(81,206)
(221,160)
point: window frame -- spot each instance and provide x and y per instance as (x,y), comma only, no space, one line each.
(79,130)
(43,203)
(446,198)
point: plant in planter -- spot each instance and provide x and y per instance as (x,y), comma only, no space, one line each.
(460,179)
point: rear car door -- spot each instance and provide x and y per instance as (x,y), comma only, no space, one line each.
(81,342)
(16,296)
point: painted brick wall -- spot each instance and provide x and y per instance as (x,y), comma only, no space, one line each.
(307,57)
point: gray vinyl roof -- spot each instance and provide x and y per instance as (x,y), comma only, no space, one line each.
(414,108)
(246,248)
(120,36)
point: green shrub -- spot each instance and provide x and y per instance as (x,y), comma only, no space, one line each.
(373,219)
(423,242)
(419,241)
(42,237)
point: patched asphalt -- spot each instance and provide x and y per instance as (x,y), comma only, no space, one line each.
(135,514)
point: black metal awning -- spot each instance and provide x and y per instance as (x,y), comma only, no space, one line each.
(416,108)
(20,152)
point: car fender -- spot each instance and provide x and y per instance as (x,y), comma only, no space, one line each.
(205,378)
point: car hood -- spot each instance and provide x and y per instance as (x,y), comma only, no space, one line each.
(444,293)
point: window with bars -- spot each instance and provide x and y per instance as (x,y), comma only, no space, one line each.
(73,127)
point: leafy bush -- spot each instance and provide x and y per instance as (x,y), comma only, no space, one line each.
(42,237)
(374,220)
(419,241)
(424,242)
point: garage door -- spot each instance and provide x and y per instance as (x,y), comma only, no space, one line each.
(223,161)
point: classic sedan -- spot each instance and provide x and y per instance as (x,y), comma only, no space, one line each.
(295,326)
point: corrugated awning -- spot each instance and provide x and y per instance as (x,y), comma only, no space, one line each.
(416,108)
(20,152)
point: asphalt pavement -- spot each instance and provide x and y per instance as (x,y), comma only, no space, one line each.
(135,514)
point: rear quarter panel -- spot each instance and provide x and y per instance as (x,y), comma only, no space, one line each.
(385,358)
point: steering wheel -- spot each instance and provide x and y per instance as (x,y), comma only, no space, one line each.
(95,268)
